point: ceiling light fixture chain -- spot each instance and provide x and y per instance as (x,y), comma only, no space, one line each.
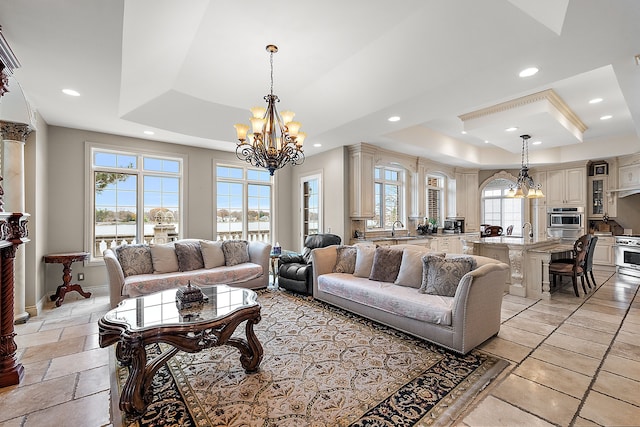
(276,139)
(524,181)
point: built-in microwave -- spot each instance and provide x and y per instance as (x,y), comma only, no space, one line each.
(565,223)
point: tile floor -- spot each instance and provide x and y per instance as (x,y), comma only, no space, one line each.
(574,361)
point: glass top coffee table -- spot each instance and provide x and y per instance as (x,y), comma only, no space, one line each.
(155,318)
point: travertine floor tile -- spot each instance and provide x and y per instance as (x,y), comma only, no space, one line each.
(619,387)
(583,319)
(536,316)
(65,365)
(527,325)
(528,339)
(623,349)
(93,381)
(64,321)
(608,411)
(577,345)
(15,402)
(555,377)
(49,351)
(92,410)
(506,349)
(579,363)
(38,338)
(628,337)
(80,330)
(622,366)
(495,412)
(551,405)
(587,334)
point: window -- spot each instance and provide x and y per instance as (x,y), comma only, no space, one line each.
(243,203)
(311,206)
(129,186)
(388,190)
(435,198)
(497,209)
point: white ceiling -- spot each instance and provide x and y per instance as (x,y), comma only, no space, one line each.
(189,70)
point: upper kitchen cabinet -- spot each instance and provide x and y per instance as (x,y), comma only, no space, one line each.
(602,201)
(468,199)
(566,187)
(361,170)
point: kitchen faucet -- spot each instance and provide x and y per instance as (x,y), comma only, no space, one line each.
(393,227)
(530,228)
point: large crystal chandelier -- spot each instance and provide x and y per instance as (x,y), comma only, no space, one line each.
(276,139)
(525,186)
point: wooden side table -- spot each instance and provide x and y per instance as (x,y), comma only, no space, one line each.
(66,259)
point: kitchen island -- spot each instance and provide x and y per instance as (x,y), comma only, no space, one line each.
(528,258)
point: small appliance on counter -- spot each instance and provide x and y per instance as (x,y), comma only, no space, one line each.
(454,224)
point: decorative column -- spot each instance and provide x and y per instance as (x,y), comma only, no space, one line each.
(13,232)
(516,259)
(14,136)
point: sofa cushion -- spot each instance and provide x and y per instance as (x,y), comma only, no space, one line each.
(386,264)
(410,273)
(441,276)
(145,284)
(399,300)
(164,258)
(346,261)
(189,256)
(135,259)
(212,254)
(364,260)
(235,252)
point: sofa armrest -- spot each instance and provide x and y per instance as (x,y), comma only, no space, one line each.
(477,304)
(115,276)
(259,254)
(323,261)
(289,258)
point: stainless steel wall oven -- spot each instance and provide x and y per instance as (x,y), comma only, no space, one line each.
(567,223)
(627,255)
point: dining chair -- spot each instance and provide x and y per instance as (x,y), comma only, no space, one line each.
(574,267)
(588,267)
(510,230)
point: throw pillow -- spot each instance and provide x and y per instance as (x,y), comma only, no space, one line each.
(386,264)
(440,276)
(410,273)
(135,259)
(364,260)
(212,253)
(189,256)
(235,252)
(346,262)
(164,258)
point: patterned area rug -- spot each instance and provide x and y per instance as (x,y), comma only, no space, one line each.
(322,366)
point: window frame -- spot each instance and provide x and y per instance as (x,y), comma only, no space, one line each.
(509,180)
(442,202)
(382,181)
(90,208)
(246,182)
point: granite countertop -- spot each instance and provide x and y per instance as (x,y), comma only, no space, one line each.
(516,241)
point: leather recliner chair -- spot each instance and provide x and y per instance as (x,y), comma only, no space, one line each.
(295,272)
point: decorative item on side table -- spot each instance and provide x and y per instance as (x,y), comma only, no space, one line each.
(190,296)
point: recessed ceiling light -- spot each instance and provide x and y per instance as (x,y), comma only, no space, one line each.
(607,117)
(528,72)
(464,132)
(511,129)
(70,92)
(317,145)
(486,141)
(595,100)
(394,118)
(149,132)
(536,143)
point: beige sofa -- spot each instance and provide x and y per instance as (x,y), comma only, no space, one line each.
(459,323)
(136,270)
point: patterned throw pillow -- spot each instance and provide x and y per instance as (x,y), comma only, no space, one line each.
(235,252)
(386,264)
(346,262)
(135,259)
(212,254)
(441,276)
(189,256)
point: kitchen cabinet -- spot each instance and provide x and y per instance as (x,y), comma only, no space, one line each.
(603,254)
(601,199)
(447,244)
(361,169)
(468,200)
(566,187)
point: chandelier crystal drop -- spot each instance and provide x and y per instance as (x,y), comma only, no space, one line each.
(276,139)
(525,186)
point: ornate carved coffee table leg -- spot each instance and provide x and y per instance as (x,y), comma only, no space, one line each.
(136,394)
(251,351)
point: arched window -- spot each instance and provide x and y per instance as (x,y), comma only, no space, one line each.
(498,209)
